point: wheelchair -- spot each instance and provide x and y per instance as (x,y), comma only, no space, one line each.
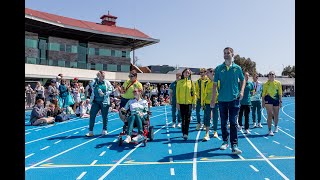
(148,131)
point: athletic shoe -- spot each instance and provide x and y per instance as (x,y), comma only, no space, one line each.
(259,125)
(215,134)
(128,139)
(104,132)
(185,137)
(179,125)
(89,134)
(254,125)
(204,127)
(275,129)
(138,138)
(198,127)
(236,150)
(247,131)
(239,128)
(270,133)
(174,125)
(224,145)
(206,137)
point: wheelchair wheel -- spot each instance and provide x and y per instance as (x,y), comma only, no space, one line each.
(151,133)
(120,141)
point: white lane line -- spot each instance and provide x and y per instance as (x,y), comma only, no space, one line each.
(115,140)
(172,171)
(57,142)
(36,164)
(76,119)
(76,132)
(241,157)
(254,168)
(288,148)
(168,135)
(268,161)
(93,162)
(219,138)
(287,129)
(266,137)
(276,142)
(194,164)
(45,148)
(169,145)
(266,179)
(171,159)
(170,151)
(109,146)
(29,155)
(256,133)
(286,113)
(27,133)
(124,157)
(68,136)
(81,175)
(83,129)
(38,130)
(278,126)
(102,153)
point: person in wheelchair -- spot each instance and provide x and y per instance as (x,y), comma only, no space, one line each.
(138,108)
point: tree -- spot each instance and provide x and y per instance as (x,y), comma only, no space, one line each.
(289,71)
(245,64)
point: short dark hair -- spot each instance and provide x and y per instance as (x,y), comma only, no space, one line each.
(228,48)
(133,72)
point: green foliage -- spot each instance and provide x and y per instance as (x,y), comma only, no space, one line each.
(289,71)
(246,64)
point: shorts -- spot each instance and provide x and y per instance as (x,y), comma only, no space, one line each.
(269,100)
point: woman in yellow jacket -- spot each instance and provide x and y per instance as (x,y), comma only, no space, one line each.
(186,100)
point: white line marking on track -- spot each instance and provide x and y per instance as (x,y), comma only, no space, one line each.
(288,148)
(68,136)
(256,133)
(268,161)
(27,133)
(102,153)
(287,129)
(45,148)
(286,113)
(266,137)
(76,132)
(170,151)
(276,142)
(36,164)
(29,155)
(57,142)
(254,168)
(83,129)
(115,140)
(81,175)
(168,135)
(169,145)
(219,138)
(172,171)
(109,146)
(94,162)
(241,157)
(266,179)
(38,130)
(194,164)
(171,159)
(124,157)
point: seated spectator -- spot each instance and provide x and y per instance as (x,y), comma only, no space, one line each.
(54,110)
(155,101)
(39,115)
(81,110)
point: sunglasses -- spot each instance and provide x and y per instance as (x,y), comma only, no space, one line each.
(202,72)
(271,73)
(131,75)
(135,91)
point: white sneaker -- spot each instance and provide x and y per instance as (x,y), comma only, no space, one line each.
(206,137)
(104,132)
(275,129)
(254,125)
(215,134)
(270,133)
(128,139)
(179,125)
(247,131)
(89,134)
(174,125)
(198,127)
(138,138)
(259,125)
(239,128)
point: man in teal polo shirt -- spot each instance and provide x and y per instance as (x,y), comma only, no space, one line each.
(229,74)
(245,104)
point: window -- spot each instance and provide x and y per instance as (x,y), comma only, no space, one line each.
(74,49)
(67,64)
(105,67)
(128,54)
(53,63)
(124,54)
(43,62)
(93,66)
(54,46)
(31,43)
(118,53)
(96,51)
(68,48)
(88,65)
(73,64)
(104,52)
(113,53)
(82,65)
(125,68)
(62,47)
(82,54)
(112,67)
(99,66)
(31,60)
(91,51)
(61,63)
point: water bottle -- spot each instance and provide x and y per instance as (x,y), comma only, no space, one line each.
(100,92)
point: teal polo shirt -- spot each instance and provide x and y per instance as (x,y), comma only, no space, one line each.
(102,86)
(173,87)
(229,84)
(246,100)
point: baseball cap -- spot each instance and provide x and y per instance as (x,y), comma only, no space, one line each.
(53,81)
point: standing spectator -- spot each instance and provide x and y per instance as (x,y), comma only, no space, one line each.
(28,91)
(245,104)
(166,90)
(52,90)
(128,87)
(88,90)
(147,89)
(200,85)
(82,92)
(63,93)
(186,99)
(100,100)
(173,102)
(76,96)
(154,92)
(272,100)
(256,101)
(58,81)
(229,74)
(40,92)
(117,90)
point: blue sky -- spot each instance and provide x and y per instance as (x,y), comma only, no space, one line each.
(194,33)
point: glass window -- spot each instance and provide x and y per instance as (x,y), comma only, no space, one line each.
(104,52)
(62,47)
(67,64)
(82,53)
(53,63)
(82,65)
(43,62)
(54,46)
(73,64)
(128,54)
(74,49)
(99,66)
(31,43)
(105,67)
(113,53)
(124,54)
(88,65)
(118,53)
(125,68)
(61,63)
(119,68)
(68,48)
(91,51)
(93,66)
(31,60)
(96,51)
(112,67)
